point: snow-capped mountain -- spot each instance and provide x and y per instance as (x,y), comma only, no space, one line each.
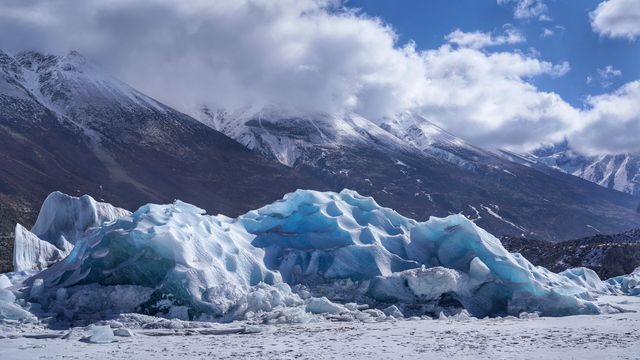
(292,136)
(67,125)
(618,172)
(413,165)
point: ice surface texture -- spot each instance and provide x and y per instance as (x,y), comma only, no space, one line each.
(66,218)
(32,253)
(176,261)
(61,221)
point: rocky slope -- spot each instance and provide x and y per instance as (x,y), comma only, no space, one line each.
(607,255)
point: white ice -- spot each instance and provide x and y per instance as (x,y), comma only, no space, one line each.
(66,218)
(33,253)
(176,261)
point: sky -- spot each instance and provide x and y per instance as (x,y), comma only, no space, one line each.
(564,35)
(499,73)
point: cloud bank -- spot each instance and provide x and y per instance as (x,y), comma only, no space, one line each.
(617,19)
(319,56)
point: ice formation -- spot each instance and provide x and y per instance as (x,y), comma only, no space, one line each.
(67,218)
(102,335)
(333,249)
(33,253)
(627,284)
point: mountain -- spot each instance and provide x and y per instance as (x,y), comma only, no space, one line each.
(412,165)
(607,255)
(67,125)
(618,172)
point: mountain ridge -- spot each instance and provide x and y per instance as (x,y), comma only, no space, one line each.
(413,165)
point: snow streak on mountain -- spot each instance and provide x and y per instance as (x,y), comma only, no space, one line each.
(410,163)
(618,172)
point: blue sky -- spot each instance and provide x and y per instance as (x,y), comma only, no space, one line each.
(573,40)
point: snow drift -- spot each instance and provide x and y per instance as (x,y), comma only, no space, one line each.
(332,249)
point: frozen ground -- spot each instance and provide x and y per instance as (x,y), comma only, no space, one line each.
(574,337)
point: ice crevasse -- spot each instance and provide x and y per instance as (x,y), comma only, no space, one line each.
(176,261)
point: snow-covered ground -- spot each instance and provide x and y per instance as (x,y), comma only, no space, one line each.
(574,337)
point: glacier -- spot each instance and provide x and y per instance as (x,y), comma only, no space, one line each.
(61,221)
(64,218)
(310,253)
(32,253)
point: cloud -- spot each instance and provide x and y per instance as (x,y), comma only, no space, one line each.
(528,9)
(547,33)
(604,76)
(315,55)
(611,122)
(486,97)
(617,19)
(478,39)
(607,74)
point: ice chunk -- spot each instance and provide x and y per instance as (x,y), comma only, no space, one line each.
(32,253)
(251,329)
(627,284)
(478,270)
(588,279)
(102,335)
(176,261)
(393,311)
(122,332)
(67,218)
(7,296)
(4,281)
(324,306)
(9,310)
(182,256)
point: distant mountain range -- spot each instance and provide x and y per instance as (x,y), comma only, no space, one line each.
(409,163)
(617,171)
(67,125)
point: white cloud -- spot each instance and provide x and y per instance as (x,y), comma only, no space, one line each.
(528,9)
(478,39)
(611,123)
(604,76)
(617,19)
(547,33)
(311,54)
(487,98)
